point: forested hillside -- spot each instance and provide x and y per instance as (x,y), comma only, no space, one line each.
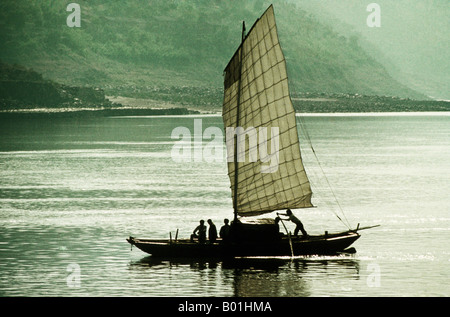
(174,48)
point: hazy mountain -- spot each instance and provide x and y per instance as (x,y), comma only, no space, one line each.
(412,42)
(140,47)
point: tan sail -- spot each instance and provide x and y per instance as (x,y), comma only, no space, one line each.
(257,100)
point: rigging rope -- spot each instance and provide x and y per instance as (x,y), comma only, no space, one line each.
(308,139)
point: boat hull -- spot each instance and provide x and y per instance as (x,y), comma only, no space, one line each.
(330,244)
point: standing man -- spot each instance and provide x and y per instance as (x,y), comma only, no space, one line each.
(225,231)
(200,232)
(212,232)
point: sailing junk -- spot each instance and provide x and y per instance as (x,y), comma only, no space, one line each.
(256,97)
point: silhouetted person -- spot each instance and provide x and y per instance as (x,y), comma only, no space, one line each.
(277,222)
(200,232)
(299,225)
(225,231)
(212,232)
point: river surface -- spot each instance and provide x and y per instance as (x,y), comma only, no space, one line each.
(72,191)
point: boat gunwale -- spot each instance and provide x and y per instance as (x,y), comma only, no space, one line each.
(300,239)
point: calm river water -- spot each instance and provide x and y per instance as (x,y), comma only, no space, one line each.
(72,191)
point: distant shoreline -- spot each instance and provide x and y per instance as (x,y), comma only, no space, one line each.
(304,105)
(183,112)
(93,112)
(375,114)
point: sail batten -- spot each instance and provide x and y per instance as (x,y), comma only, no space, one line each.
(258,109)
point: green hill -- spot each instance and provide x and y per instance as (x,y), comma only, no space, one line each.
(166,49)
(22,88)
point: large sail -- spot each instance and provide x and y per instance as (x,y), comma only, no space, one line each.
(257,101)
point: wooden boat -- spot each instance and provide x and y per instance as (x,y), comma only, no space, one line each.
(327,244)
(257,100)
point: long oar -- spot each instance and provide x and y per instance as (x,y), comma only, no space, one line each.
(289,236)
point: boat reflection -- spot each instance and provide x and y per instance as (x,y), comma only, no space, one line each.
(259,277)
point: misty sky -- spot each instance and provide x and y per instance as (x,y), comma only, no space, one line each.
(414,36)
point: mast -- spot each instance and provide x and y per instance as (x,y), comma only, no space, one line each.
(237,124)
